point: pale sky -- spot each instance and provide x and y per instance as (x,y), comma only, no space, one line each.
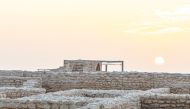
(41,33)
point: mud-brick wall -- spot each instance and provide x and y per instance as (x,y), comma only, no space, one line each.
(167,101)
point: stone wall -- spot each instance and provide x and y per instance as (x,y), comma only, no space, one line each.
(12,92)
(20,73)
(180,88)
(31,83)
(165,101)
(80,99)
(114,80)
(82,65)
(2,95)
(24,104)
(55,81)
(14,81)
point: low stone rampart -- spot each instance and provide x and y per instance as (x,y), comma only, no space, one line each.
(165,101)
(12,92)
(15,81)
(56,81)
(81,99)
(112,80)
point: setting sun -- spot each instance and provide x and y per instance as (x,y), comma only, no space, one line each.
(159,61)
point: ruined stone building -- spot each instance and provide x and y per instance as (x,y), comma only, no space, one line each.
(88,65)
(82,65)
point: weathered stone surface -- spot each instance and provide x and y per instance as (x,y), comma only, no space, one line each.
(55,81)
(95,99)
(81,99)
(165,101)
(15,81)
(13,92)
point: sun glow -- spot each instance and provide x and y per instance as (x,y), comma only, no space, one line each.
(159,61)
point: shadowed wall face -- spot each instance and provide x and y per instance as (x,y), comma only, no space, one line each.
(82,66)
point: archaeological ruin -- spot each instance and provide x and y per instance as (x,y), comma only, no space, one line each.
(83,84)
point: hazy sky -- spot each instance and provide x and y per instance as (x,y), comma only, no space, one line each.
(41,33)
